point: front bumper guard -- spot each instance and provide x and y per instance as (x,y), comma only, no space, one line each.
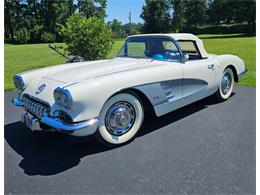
(17,102)
(83,128)
(70,127)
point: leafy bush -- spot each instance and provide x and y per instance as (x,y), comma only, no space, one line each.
(47,37)
(36,33)
(22,36)
(89,38)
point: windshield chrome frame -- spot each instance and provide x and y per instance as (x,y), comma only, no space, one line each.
(182,58)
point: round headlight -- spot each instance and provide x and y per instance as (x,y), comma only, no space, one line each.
(63,97)
(18,82)
(66,98)
(56,95)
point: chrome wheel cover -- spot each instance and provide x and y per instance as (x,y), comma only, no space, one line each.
(120,118)
(226,83)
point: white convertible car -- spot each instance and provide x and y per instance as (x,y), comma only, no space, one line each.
(162,72)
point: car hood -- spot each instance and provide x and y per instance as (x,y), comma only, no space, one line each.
(96,69)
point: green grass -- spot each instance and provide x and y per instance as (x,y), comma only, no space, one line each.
(19,58)
(244,47)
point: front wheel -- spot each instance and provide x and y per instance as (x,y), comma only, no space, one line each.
(225,86)
(120,119)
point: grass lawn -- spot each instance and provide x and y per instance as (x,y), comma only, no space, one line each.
(19,58)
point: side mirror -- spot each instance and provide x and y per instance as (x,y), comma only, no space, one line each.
(186,57)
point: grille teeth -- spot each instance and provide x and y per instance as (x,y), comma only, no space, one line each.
(35,107)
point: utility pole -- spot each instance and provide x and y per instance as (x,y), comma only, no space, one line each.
(130,23)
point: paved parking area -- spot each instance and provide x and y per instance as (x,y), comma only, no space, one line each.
(203,148)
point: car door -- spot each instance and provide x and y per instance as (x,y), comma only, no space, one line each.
(199,78)
(199,74)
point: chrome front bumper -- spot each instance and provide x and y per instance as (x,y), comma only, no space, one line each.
(78,129)
(17,101)
(83,128)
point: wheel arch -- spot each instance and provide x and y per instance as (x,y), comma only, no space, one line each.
(232,67)
(136,92)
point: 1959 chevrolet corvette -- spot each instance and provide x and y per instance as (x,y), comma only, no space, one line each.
(107,98)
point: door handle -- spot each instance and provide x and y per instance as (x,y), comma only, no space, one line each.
(211,66)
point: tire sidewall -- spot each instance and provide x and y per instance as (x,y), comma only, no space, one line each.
(130,134)
(227,95)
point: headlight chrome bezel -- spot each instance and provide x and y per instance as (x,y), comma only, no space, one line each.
(63,97)
(19,82)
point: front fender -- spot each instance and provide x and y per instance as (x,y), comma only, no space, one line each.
(90,96)
(231,60)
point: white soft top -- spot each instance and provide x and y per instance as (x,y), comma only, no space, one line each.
(183,37)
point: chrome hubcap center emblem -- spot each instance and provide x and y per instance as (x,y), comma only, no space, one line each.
(120,118)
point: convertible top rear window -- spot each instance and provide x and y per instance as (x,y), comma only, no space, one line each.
(190,47)
(158,48)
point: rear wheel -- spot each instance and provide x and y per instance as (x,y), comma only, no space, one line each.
(120,119)
(225,86)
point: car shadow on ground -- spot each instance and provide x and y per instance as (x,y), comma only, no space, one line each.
(50,153)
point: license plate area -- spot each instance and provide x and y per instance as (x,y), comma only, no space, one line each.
(28,120)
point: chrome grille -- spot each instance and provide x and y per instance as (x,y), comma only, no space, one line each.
(35,107)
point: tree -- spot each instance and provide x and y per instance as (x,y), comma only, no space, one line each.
(245,12)
(177,15)
(221,11)
(156,16)
(116,27)
(228,11)
(12,17)
(194,12)
(90,8)
(89,38)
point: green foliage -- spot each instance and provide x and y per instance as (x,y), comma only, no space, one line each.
(120,30)
(89,38)
(17,59)
(156,16)
(40,16)
(177,15)
(229,11)
(172,15)
(116,27)
(36,33)
(47,37)
(22,36)
(90,8)
(194,12)
(182,15)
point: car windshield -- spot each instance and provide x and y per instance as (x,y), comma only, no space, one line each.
(158,48)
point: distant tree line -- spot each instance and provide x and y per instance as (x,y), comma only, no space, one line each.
(120,30)
(40,20)
(192,15)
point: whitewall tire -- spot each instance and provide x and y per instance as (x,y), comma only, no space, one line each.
(120,119)
(226,85)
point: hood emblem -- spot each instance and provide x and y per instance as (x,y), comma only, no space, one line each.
(40,88)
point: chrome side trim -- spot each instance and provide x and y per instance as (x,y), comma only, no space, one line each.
(17,102)
(242,74)
(60,125)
